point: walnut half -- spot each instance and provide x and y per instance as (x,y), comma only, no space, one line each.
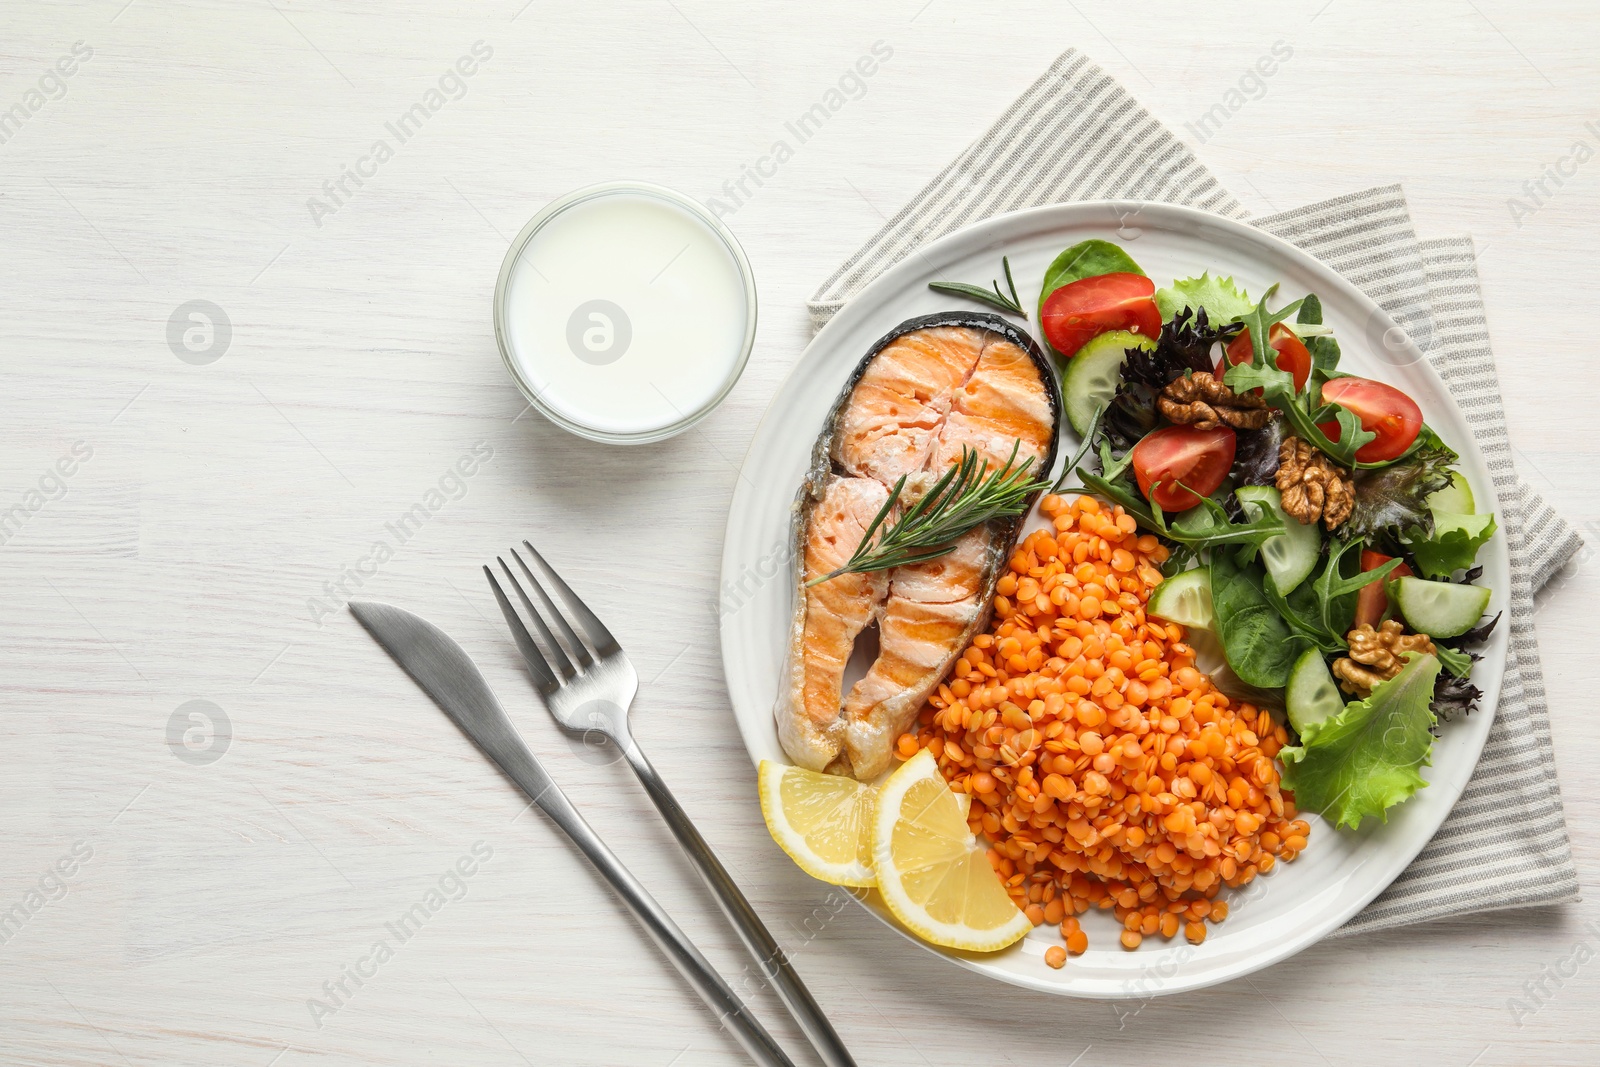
(1205,402)
(1313,486)
(1376,655)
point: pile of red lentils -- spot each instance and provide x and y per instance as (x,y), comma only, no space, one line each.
(1104,769)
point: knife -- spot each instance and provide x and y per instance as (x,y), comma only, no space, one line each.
(447,674)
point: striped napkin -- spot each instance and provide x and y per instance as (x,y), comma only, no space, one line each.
(1077,135)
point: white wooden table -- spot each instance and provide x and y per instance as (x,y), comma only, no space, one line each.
(213,509)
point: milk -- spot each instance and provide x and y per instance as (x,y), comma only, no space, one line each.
(627,314)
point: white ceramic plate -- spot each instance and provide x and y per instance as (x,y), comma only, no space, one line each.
(1341,871)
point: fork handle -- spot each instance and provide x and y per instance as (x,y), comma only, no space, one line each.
(770,958)
(723,1002)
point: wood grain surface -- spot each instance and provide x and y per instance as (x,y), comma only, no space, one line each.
(179,530)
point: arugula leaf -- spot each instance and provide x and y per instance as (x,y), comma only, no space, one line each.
(1367,758)
(1277,387)
(1310,311)
(1323,348)
(1304,616)
(1324,361)
(1203,526)
(1428,439)
(1336,593)
(1258,643)
(1395,498)
(1323,609)
(1454,544)
(1454,660)
(1219,297)
(1086,259)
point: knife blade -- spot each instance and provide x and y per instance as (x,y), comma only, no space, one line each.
(447,674)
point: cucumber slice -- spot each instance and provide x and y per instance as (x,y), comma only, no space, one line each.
(1311,696)
(1291,556)
(1185,599)
(1439,609)
(1090,380)
(1455,498)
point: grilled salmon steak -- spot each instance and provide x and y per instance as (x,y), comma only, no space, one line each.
(932,387)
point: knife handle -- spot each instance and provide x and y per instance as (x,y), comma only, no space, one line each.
(774,965)
(515,759)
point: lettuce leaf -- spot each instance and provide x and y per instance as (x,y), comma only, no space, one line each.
(1394,499)
(1255,456)
(1222,300)
(1183,347)
(1367,758)
(1454,697)
(1454,544)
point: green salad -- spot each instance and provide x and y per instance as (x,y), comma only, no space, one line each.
(1320,530)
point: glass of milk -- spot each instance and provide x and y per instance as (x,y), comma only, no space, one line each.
(625,312)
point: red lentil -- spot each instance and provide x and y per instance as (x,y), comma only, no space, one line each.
(1105,770)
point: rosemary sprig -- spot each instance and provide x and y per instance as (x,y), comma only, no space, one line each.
(966,496)
(994,298)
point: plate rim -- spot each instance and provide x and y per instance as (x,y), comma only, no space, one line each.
(1113,215)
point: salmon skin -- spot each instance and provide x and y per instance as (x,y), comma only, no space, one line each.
(931,386)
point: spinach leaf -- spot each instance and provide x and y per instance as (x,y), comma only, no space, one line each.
(1322,610)
(1302,613)
(1258,643)
(1324,361)
(1086,259)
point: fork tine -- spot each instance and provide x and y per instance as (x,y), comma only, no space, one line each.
(604,643)
(557,653)
(579,649)
(538,666)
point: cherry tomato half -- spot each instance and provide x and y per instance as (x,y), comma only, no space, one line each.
(1372,603)
(1200,459)
(1382,409)
(1293,356)
(1089,307)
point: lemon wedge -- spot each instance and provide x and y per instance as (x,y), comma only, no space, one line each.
(932,872)
(823,821)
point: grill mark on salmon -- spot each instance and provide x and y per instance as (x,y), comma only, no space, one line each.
(920,394)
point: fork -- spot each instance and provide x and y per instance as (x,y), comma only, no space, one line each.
(592,695)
